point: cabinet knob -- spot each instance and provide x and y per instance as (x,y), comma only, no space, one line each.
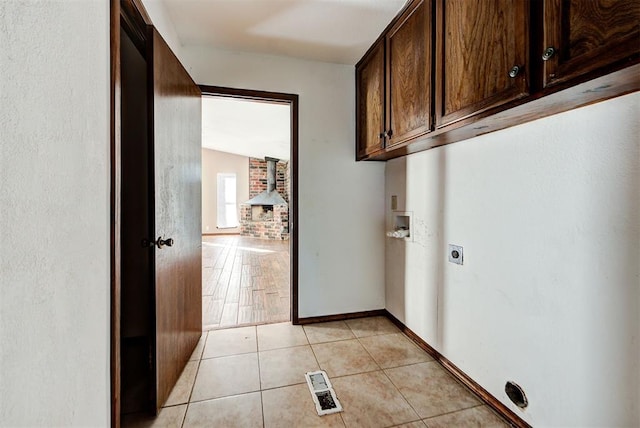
(383,134)
(548,53)
(389,133)
(515,70)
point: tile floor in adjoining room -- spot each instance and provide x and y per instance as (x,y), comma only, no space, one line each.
(254,377)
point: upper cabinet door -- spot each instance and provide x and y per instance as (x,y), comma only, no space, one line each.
(370,81)
(482,55)
(582,36)
(409,75)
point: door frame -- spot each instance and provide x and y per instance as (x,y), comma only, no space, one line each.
(134,13)
(292,100)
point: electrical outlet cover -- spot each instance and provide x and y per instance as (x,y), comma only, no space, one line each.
(455,254)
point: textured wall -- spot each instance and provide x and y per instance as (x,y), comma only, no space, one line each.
(159,15)
(214,162)
(54,215)
(548,214)
(341,217)
(341,202)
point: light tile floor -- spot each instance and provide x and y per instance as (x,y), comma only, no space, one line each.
(254,377)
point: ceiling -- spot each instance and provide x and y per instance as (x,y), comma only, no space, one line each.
(337,31)
(247,128)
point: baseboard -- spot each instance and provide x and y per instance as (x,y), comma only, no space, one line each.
(342,317)
(465,379)
(221,234)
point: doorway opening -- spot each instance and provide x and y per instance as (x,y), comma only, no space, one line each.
(249,207)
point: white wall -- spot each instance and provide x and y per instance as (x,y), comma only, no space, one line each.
(159,15)
(341,206)
(549,216)
(54,215)
(214,163)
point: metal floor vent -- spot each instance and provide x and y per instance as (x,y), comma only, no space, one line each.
(322,393)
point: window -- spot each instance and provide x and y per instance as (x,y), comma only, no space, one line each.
(227,207)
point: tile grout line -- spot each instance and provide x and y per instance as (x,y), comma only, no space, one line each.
(190,401)
(457,411)
(232,247)
(259,378)
(261,390)
(381,369)
(227,252)
(204,345)
(311,347)
(401,394)
(318,363)
(226,291)
(239,394)
(481,403)
(369,353)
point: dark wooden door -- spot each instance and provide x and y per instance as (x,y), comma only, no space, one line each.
(370,94)
(479,44)
(586,36)
(176,117)
(409,75)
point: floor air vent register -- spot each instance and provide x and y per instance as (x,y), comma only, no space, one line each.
(322,393)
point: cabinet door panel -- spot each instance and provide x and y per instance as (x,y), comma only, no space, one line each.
(479,43)
(588,35)
(409,65)
(370,81)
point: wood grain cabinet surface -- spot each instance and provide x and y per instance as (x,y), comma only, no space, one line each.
(482,56)
(370,95)
(393,84)
(409,75)
(583,36)
(456,69)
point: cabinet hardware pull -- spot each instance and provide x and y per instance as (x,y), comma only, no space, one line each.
(548,53)
(514,71)
(389,133)
(382,135)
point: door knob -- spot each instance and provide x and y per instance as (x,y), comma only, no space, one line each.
(162,242)
(158,242)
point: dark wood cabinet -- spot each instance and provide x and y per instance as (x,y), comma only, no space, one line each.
(482,56)
(448,70)
(409,75)
(583,36)
(393,84)
(370,96)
